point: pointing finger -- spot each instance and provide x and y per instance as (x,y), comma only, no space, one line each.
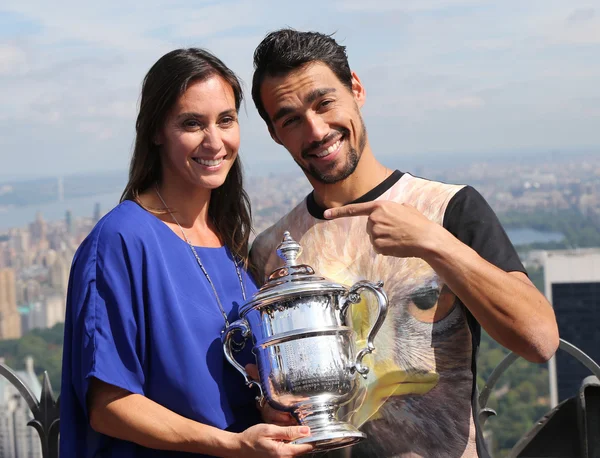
(363,209)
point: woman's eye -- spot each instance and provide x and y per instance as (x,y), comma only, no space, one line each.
(191,124)
(227,121)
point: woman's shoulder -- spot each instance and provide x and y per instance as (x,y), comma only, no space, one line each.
(126,224)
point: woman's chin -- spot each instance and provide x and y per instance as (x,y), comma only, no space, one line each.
(211,182)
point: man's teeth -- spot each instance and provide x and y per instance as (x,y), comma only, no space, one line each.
(329,150)
(208,162)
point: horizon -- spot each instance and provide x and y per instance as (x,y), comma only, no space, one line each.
(442,160)
(441,75)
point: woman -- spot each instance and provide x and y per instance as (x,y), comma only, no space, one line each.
(157,279)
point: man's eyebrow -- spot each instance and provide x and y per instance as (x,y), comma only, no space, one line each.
(314,95)
(310,98)
(283,111)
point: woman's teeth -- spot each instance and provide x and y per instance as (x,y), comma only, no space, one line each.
(208,162)
(329,150)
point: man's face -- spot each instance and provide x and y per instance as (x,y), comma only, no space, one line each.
(317,119)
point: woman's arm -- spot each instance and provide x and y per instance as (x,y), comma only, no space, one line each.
(132,417)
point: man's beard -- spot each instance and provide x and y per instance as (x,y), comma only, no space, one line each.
(329,176)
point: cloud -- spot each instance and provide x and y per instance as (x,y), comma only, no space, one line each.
(409,6)
(566,25)
(581,15)
(13,60)
(468,70)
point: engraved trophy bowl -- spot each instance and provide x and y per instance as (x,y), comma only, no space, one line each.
(305,350)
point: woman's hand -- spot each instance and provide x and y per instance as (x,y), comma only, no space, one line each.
(264,440)
(268,413)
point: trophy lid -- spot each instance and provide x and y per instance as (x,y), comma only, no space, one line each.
(291,279)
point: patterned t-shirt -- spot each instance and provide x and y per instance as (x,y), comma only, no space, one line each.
(420,397)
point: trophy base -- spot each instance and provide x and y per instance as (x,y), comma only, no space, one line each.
(332,436)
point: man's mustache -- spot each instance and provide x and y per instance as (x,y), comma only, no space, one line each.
(314,146)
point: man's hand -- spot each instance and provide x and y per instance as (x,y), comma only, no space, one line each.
(394,229)
(268,413)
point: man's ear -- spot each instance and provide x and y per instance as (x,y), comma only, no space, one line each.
(358,90)
(274,135)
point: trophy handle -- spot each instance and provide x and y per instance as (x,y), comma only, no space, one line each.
(242,326)
(354,298)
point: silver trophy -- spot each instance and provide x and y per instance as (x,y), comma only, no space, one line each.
(304,347)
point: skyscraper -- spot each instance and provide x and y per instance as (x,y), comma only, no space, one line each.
(39,231)
(97,212)
(69,221)
(17,439)
(10,320)
(572,284)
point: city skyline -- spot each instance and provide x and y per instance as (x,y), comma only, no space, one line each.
(442,76)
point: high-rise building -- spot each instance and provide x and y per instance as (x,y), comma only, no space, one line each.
(19,239)
(59,274)
(69,221)
(10,319)
(33,316)
(38,229)
(17,439)
(572,284)
(97,212)
(54,310)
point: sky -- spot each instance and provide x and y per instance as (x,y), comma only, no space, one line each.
(443,77)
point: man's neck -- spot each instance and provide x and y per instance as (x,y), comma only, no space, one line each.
(367,175)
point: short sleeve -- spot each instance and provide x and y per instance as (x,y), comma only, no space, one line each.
(470,219)
(108,338)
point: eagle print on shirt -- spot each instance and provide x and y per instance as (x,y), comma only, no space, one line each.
(417,397)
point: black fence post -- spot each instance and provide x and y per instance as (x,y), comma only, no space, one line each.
(46,411)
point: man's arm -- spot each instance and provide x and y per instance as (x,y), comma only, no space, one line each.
(507,305)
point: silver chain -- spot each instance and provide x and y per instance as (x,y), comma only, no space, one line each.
(235,263)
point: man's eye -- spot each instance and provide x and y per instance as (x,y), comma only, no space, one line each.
(289,121)
(327,102)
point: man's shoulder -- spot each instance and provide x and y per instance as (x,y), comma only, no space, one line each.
(265,243)
(430,197)
(415,186)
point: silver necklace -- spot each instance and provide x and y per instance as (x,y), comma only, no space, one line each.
(210,282)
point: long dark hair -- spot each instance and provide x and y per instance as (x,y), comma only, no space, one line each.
(168,79)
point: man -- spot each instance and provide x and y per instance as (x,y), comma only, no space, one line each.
(447,264)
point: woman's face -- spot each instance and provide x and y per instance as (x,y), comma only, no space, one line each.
(201,136)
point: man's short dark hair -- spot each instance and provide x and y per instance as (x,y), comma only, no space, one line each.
(286,50)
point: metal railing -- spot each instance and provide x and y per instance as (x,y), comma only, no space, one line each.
(485,412)
(46,412)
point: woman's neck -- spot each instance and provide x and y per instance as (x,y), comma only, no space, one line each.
(186,206)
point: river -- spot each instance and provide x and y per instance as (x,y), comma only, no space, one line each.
(84,206)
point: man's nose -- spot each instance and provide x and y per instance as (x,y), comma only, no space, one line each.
(316,129)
